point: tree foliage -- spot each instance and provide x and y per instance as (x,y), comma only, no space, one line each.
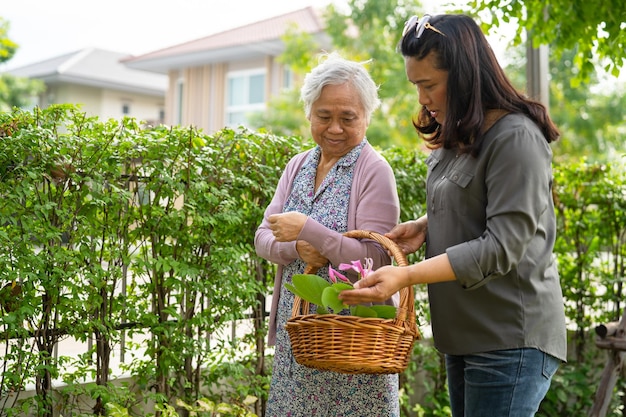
(14,91)
(18,91)
(7,46)
(592,120)
(590,28)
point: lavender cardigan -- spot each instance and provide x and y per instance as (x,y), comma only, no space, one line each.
(373,206)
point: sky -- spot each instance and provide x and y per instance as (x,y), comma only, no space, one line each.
(48,28)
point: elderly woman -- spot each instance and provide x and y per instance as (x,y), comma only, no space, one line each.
(341,184)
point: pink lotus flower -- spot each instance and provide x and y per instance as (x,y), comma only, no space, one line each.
(358,267)
(333,274)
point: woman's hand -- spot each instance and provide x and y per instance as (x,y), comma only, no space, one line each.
(409,236)
(378,286)
(310,255)
(287,226)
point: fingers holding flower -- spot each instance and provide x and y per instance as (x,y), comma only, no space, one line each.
(377,286)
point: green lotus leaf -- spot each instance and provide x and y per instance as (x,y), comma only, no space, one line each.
(330,299)
(309,287)
(363,311)
(341,286)
(294,290)
(321,310)
(384,311)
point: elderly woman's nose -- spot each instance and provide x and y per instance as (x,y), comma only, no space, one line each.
(335,126)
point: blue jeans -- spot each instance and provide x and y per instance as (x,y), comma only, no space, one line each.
(504,383)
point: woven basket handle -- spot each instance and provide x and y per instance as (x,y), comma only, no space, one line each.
(405,311)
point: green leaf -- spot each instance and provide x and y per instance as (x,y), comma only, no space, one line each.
(363,311)
(321,309)
(294,290)
(310,287)
(342,286)
(384,311)
(330,296)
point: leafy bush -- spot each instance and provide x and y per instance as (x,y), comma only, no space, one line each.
(113,231)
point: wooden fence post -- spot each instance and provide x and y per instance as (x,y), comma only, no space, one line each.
(612,337)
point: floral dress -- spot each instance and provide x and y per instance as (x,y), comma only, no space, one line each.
(299,391)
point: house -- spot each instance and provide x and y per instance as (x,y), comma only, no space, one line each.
(103,86)
(218,80)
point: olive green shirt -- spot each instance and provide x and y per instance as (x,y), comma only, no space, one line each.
(494,217)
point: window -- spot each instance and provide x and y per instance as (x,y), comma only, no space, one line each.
(245,95)
(178,102)
(287,78)
(161,116)
(125,109)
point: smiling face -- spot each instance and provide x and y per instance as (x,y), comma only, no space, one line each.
(431,84)
(338,121)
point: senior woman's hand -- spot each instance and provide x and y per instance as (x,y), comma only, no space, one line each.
(310,255)
(287,226)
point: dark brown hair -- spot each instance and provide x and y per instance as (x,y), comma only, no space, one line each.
(476,84)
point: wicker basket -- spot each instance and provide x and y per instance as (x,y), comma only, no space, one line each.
(351,344)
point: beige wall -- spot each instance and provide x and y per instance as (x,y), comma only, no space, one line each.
(105,104)
(141,107)
(86,97)
(204,91)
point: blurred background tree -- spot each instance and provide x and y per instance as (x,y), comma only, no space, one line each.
(7,46)
(14,91)
(588,31)
(591,116)
(587,44)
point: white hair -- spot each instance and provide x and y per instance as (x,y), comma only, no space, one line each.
(335,70)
